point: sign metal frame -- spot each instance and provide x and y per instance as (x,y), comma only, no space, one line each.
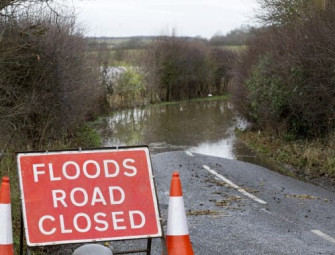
(159,234)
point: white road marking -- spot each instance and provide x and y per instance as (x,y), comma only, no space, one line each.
(189,153)
(233,185)
(323,235)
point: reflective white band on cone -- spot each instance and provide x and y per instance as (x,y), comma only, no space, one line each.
(6,234)
(177,223)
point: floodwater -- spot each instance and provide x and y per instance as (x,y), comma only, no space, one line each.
(205,127)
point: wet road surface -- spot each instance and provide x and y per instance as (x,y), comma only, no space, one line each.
(235,207)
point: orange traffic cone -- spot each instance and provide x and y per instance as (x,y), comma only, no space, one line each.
(6,234)
(177,236)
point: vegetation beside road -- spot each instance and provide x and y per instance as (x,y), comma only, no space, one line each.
(53,81)
(284,84)
(49,87)
(305,158)
(167,68)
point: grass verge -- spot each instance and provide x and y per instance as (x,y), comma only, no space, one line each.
(308,158)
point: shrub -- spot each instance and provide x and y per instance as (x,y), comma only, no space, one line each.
(286,77)
(128,87)
(47,83)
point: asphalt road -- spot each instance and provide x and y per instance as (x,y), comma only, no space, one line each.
(235,207)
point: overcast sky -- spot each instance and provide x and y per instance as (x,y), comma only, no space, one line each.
(155,17)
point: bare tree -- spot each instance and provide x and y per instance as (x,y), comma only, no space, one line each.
(15,3)
(177,69)
(279,12)
(47,82)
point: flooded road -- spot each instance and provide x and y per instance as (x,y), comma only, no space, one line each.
(230,205)
(205,127)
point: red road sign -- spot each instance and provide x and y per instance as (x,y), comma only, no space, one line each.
(82,196)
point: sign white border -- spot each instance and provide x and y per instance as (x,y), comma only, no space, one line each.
(152,184)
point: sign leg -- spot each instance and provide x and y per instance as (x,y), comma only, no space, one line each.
(21,234)
(149,246)
(164,248)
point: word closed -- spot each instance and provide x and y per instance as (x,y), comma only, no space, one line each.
(82,196)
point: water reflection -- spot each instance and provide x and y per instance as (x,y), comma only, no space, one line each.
(201,127)
(223,148)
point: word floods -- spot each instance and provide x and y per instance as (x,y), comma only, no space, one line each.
(81,196)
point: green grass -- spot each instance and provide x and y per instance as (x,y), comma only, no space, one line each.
(233,48)
(309,158)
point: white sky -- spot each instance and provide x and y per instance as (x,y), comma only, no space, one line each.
(156,17)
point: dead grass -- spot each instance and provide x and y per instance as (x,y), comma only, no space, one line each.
(228,201)
(204,212)
(314,158)
(84,137)
(309,197)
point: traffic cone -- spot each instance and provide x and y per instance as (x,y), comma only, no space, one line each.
(6,234)
(177,236)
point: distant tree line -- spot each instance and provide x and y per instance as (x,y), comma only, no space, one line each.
(178,69)
(133,42)
(238,36)
(170,68)
(285,80)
